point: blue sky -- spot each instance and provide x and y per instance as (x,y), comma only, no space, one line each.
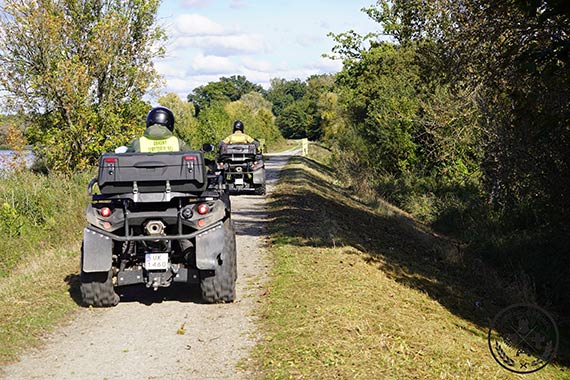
(260,39)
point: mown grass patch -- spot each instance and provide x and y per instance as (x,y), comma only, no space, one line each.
(38,295)
(282,145)
(362,294)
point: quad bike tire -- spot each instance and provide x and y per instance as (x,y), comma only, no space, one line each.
(260,190)
(221,287)
(97,289)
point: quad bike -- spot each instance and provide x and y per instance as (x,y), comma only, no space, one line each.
(160,218)
(243,168)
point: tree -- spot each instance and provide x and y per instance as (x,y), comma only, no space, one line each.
(283,92)
(514,56)
(225,90)
(78,70)
(295,120)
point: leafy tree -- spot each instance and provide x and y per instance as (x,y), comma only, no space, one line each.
(296,104)
(225,90)
(294,120)
(215,123)
(514,56)
(379,92)
(483,105)
(255,112)
(283,93)
(78,70)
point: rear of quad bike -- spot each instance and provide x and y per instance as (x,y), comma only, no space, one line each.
(159,219)
(243,168)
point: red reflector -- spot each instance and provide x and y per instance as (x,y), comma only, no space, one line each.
(106,225)
(201,223)
(110,159)
(203,209)
(105,212)
(189,158)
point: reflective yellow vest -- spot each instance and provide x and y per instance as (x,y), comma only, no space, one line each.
(238,138)
(163,145)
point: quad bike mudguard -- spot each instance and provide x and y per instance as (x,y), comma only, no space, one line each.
(98,247)
(97,251)
(259,176)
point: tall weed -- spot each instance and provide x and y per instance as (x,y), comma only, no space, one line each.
(39,212)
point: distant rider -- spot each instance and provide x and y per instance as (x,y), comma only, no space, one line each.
(239,137)
(158,135)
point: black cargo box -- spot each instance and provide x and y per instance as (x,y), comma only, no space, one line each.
(237,149)
(152,172)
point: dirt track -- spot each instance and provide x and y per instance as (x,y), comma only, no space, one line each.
(140,339)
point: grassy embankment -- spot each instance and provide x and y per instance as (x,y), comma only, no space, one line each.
(41,226)
(357,293)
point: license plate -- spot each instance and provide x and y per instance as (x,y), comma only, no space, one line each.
(239,181)
(156,261)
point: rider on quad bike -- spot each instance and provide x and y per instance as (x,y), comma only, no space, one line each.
(241,162)
(162,215)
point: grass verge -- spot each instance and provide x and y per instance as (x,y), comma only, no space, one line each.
(39,294)
(357,293)
(42,219)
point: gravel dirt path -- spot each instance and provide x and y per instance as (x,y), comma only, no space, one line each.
(140,338)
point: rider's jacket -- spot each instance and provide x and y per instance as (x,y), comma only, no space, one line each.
(158,138)
(238,137)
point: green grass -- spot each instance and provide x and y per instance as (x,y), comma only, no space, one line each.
(282,145)
(42,220)
(357,293)
(39,213)
(39,294)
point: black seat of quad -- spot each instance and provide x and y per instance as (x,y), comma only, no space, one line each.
(152,172)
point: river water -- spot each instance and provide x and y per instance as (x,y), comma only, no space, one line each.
(6,156)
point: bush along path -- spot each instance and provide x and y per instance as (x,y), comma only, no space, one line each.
(362,293)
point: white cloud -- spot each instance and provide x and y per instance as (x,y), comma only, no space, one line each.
(170,68)
(250,63)
(326,65)
(222,45)
(196,25)
(209,64)
(221,40)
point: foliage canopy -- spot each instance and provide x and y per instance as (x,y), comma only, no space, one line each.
(78,70)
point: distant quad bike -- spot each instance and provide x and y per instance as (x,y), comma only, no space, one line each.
(243,168)
(160,218)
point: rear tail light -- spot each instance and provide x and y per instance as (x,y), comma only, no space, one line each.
(203,209)
(106,212)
